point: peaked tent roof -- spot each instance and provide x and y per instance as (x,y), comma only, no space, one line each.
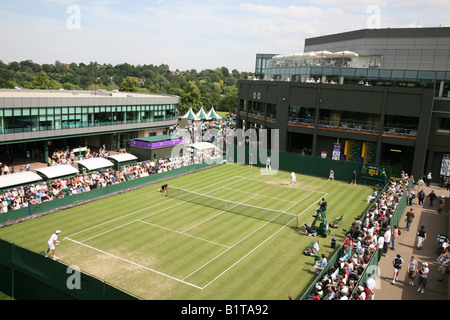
(190,115)
(203,115)
(213,114)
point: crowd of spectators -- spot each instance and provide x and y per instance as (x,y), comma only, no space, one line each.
(24,196)
(21,197)
(366,235)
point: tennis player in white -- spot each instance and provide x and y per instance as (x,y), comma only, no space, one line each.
(293,179)
(52,243)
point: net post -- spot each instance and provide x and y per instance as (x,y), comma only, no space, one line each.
(297,221)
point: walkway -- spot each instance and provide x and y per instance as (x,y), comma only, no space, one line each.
(435,224)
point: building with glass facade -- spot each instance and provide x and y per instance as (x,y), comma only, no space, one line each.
(349,93)
(34,121)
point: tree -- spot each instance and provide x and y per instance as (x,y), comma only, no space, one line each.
(229,101)
(130,84)
(190,98)
(42,81)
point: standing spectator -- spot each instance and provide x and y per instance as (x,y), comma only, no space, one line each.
(411,196)
(421,196)
(444,268)
(420,183)
(409,218)
(423,277)
(354,178)
(371,285)
(387,239)
(397,263)
(395,235)
(380,242)
(429,178)
(432,197)
(412,270)
(441,204)
(5,169)
(421,237)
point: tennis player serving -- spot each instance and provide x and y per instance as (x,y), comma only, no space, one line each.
(52,243)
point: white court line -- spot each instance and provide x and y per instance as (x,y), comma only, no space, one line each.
(275,183)
(251,251)
(134,212)
(260,195)
(215,215)
(185,234)
(183,280)
(138,220)
(134,263)
(201,267)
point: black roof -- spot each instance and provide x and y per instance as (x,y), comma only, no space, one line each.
(435,32)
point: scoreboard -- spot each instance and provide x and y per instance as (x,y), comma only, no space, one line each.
(369,171)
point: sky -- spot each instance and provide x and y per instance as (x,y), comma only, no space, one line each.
(191,34)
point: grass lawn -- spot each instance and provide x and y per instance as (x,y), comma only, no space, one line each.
(161,247)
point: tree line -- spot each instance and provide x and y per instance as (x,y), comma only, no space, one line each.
(207,88)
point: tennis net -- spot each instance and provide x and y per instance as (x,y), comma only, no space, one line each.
(265,214)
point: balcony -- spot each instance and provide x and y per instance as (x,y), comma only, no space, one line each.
(348,127)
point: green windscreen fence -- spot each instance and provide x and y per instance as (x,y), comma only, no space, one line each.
(28,275)
(309,165)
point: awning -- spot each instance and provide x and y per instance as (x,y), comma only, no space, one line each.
(58,171)
(95,163)
(123,157)
(19,179)
(202,146)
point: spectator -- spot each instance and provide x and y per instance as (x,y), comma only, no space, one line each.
(421,237)
(421,196)
(397,263)
(432,197)
(409,219)
(320,265)
(412,270)
(423,277)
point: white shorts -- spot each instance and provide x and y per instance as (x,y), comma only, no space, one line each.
(51,246)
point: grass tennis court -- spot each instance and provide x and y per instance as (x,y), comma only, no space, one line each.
(160,247)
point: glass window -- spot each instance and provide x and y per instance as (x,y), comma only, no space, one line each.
(348,72)
(397,74)
(443,126)
(410,75)
(385,74)
(361,73)
(426,75)
(373,74)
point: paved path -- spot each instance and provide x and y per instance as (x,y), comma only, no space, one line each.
(435,224)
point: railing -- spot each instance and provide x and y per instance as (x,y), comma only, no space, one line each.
(353,126)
